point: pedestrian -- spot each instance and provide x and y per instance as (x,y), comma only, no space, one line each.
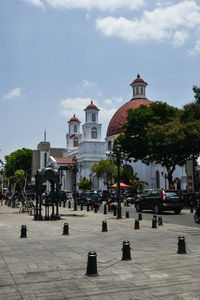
(1,198)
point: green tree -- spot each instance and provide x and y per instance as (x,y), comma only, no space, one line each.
(105,170)
(84,184)
(155,134)
(18,160)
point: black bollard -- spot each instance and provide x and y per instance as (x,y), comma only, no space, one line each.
(75,206)
(81,206)
(104,226)
(140,216)
(95,209)
(160,221)
(127,214)
(59,203)
(64,203)
(126,251)
(114,210)
(66,229)
(105,209)
(181,245)
(23,231)
(92,264)
(88,207)
(191,207)
(69,204)
(154,223)
(137,224)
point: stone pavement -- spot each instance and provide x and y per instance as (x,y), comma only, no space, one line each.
(49,265)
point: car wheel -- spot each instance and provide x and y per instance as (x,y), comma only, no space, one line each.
(138,208)
(177,211)
(156,209)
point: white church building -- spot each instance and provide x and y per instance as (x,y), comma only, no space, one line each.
(88,147)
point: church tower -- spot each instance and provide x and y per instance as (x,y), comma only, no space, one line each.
(139,87)
(73,136)
(91,128)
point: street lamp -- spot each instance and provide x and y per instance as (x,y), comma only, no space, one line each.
(75,168)
(118,156)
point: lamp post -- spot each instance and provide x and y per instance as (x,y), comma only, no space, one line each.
(2,170)
(118,156)
(76,168)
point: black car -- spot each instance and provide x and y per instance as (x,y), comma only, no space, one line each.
(160,200)
(84,197)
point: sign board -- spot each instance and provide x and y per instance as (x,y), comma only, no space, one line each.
(190,176)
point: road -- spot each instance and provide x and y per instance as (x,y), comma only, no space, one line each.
(185,218)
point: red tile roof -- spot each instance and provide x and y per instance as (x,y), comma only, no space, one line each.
(63,160)
(91,106)
(75,119)
(138,79)
(115,125)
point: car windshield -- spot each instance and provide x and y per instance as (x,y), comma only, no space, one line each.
(170,194)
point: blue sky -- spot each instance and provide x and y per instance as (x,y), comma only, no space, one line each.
(57,55)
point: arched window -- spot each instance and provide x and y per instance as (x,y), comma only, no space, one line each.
(137,90)
(94,133)
(93,117)
(75,128)
(157,179)
(75,142)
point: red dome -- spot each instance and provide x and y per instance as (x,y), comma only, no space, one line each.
(115,125)
(138,79)
(75,119)
(91,106)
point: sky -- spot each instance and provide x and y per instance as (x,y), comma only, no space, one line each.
(58,55)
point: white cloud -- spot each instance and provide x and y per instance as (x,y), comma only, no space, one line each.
(179,38)
(99,4)
(37,3)
(196,49)
(14,93)
(107,101)
(173,22)
(87,84)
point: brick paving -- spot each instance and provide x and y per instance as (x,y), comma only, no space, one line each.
(49,265)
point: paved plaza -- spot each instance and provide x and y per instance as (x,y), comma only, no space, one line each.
(49,265)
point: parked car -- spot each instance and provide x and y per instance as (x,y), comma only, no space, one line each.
(84,197)
(68,195)
(160,200)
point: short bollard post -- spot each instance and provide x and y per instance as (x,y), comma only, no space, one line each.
(137,224)
(114,210)
(191,207)
(88,207)
(181,245)
(66,229)
(69,204)
(104,226)
(160,222)
(154,223)
(75,206)
(126,251)
(23,231)
(64,203)
(59,203)
(127,214)
(92,264)
(105,209)
(140,216)
(81,206)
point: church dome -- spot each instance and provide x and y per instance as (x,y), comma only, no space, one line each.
(116,123)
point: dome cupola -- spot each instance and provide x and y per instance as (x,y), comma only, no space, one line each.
(139,86)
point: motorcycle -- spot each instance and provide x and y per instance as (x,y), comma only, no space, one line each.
(197,214)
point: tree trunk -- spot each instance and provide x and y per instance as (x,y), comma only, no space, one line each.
(170,177)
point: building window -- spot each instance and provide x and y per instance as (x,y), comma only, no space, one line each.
(109,145)
(75,142)
(94,133)
(137,90)
(93,117)
(75,128)
(157,179)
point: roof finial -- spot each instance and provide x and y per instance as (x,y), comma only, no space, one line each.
(45,135)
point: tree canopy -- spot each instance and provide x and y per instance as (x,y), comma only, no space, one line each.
(162,134)
(20,160)
(106,170)
(84,184)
